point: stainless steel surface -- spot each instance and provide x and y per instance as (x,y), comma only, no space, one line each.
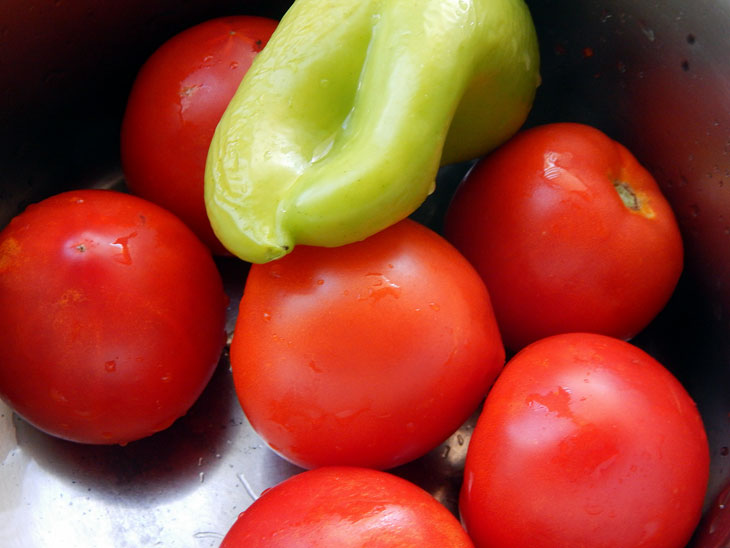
(654,75)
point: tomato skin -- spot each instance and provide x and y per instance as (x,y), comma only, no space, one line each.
(174,106)
(369,354)
(346,507)
(585,440)
(559,251)
(113,316)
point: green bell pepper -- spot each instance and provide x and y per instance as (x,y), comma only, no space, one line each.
(340,125)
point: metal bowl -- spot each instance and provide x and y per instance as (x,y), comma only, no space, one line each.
(655,76)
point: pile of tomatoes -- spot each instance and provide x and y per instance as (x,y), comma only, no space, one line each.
(556,250)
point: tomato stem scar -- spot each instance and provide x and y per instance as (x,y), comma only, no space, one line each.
(635,201)
(627,195)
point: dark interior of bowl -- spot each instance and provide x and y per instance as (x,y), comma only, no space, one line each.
(655,77)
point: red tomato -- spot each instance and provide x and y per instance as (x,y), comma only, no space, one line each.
(346,507)
(174,106)
(369,354)
(569,232)
(112,316)
(585,440)
(714,530)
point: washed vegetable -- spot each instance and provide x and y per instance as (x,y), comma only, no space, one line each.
(339,127)
(714,530)
(569,232)
(177,99)
(112,316)
(346,507)
(368,354)
(585,440)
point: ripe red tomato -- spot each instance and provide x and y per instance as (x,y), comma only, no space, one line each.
(346,507)
(112,316)
(174,106)
(369,354)
(569,232)
(585,440)
(714,530)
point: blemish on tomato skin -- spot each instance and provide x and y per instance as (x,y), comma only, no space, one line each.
(187,99)
(187,91)
(71,296)
(314,367)
(9,253)
(82,246)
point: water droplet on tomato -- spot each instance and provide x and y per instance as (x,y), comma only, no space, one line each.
(593,509)
(380,286)
(110,366)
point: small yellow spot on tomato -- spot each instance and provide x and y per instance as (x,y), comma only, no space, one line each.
(70,296)
(9,250)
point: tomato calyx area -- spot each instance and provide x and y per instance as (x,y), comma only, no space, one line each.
(634,200)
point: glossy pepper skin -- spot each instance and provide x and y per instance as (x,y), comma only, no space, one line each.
(341,123)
